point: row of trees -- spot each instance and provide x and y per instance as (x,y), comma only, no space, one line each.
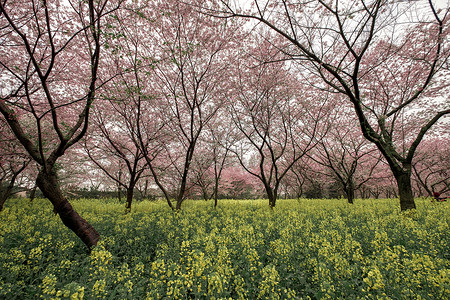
(177,95)
(342,168)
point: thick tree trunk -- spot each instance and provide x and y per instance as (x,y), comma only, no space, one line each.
(405,191)
(179,201)
(3,196)
(272,203)
(48,184)
(129,199)
(350,192)
(350,196)
(272,195)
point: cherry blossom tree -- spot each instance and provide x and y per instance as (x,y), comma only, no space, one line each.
(389,58)
(274,120)
(223,136)
(126,100)
(213,155)
(49,62)
(111,143)
(192,57)
(431,167)
(236,183)
(308,179)
(13,161)
(382,183)
(296,179)
(346,155)
(202,177)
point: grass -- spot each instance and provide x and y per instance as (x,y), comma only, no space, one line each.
(318,249)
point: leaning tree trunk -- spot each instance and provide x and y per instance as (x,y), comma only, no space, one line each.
(48,183)
(405,190)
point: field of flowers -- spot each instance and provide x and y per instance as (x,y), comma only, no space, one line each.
(318,249)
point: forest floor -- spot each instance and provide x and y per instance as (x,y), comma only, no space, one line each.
(302,249)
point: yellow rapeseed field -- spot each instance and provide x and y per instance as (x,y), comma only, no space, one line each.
(303,249)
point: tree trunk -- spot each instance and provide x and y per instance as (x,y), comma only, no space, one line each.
(119,187)
(129,199)
(377,194)
(405,191)
(119,193)
(205,194)
(215,196)
(33,193)
(216,190)
(272,195)
(388,194)
(350,192)
(48,184)
(145,195)
(4,195)
(272,203)
(351,196)
(179,201)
